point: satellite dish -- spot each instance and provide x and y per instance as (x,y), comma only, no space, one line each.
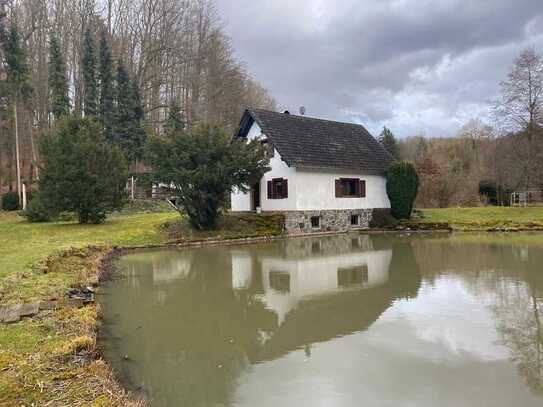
(302,110)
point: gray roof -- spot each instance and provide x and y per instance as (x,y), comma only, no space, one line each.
(306,142)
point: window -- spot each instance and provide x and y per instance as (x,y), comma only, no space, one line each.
(353,276)
(278,188)
(355,220)
(350,188)
(315,222)
(280,281)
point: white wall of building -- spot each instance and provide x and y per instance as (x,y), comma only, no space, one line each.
(279,169)
(310,190)
(317,191)
(240,202)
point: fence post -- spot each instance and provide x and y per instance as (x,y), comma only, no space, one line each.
(24,196)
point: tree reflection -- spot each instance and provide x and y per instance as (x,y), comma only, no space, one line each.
(507,269)
(519,312)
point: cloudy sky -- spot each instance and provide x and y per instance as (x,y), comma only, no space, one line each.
(416,66)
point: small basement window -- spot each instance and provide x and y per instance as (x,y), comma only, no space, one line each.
(355,220)
(315,222)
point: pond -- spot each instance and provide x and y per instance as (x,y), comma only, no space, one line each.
(349,320)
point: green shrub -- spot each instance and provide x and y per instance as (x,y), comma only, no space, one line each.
(36,210)
(81,172)
(10,201)
(402,189)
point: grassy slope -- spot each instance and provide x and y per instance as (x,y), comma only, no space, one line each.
(22,244)
(486,217)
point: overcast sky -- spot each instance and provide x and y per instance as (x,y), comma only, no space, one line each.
(416,66)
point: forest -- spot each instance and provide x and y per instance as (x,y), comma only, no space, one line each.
(133,64)
(490,157)
(143,65)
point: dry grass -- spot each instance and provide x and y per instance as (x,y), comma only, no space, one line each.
(51,359)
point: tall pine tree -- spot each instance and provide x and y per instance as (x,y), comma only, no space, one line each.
(58,85)
(18,85)
(128,133)
(90,86)
(107,90)
(388,141)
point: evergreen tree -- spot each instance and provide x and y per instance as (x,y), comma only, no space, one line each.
(58,86)
(17,84)
(204,166)
(388,141)
(402,189)
(81,172)
(90,87)
(128,133)
(107,90)
(174,121)
(139,113)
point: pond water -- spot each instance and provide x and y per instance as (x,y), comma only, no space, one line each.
(350,320)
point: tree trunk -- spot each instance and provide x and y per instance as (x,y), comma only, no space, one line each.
(34,155)
(17,154)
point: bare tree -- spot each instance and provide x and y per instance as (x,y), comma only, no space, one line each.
(521,104)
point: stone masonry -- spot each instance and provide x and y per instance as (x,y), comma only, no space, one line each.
(328,220)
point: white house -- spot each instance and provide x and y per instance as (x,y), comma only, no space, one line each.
(324,175)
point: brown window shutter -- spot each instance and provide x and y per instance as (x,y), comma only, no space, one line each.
(338,188)
(362,188)
(270,190)
(285,188)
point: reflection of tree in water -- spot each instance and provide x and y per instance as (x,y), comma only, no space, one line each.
(519,312)
(509,273)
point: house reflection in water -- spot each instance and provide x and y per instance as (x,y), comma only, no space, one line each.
(301,276)
(212,313)
(318,288)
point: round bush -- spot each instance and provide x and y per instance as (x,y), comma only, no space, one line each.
(10,201)
(402,189)
(36,211)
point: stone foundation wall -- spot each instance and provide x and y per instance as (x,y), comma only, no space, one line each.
(329,220)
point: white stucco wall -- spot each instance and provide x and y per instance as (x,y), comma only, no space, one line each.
(310,190)
(279,169)
(240,202)
(317,191)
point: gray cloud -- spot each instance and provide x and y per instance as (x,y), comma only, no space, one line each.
(417,66)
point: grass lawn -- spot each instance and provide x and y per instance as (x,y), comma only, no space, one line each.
(485,218)
(24,244)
